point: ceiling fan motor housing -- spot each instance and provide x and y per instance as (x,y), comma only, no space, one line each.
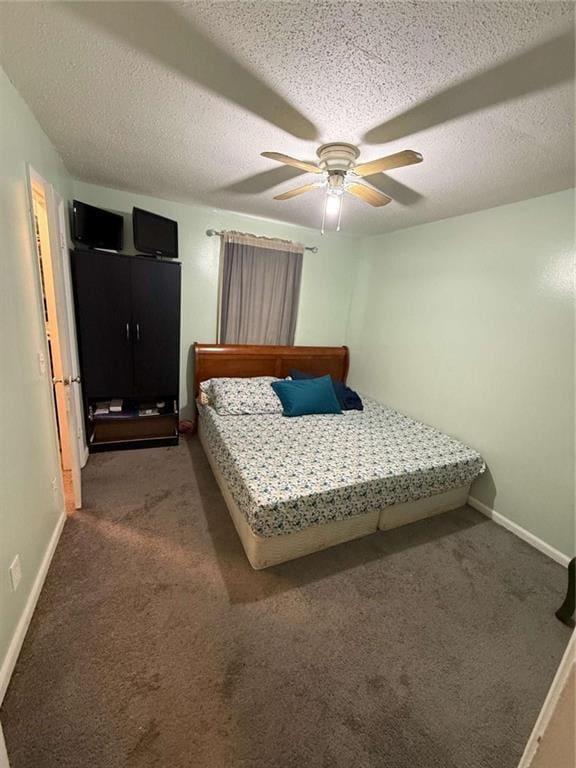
(337,157)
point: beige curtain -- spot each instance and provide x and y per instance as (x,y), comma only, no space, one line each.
(260,289)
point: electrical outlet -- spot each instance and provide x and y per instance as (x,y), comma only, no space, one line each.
(15,572)
(55,487)
(42,363)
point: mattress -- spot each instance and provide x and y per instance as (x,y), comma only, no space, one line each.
(286,474)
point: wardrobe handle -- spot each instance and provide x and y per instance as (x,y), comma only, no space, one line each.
(127,331)
(137,331)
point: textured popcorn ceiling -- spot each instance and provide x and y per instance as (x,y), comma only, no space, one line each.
(179,100)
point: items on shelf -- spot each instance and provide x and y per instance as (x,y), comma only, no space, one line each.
(148,409)
(130,409)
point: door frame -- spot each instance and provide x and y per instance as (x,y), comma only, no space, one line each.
(3,752)
(551,703)
(62,404)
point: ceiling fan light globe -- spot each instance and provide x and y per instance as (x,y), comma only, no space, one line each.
(333,204)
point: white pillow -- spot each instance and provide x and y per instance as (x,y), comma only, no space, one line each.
(239,397)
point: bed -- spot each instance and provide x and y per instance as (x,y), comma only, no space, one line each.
(294,486)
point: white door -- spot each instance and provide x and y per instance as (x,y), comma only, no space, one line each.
(75,386)
(48,241)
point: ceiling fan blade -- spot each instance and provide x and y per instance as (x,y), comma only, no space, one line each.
(398,160)
(302,164)
(543,66)
(368,195)
(296,191)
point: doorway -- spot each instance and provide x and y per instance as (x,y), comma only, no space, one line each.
(49,228)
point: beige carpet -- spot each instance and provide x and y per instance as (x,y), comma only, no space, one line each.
(156,645)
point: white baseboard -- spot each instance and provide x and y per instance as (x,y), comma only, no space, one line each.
(11,657)
(522,533)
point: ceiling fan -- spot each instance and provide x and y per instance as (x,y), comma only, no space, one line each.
(337,166)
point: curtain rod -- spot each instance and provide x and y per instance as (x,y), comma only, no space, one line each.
(213,232)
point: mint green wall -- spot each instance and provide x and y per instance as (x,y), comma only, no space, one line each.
(468,324)
(29,510)
(29,460)
(327,276)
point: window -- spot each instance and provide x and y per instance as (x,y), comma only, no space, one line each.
(260,289)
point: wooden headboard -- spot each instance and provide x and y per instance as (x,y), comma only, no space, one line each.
(242,360)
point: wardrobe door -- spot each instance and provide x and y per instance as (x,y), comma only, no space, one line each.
(156,323)
(103,317)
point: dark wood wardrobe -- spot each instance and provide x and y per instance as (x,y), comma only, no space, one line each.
(128,325)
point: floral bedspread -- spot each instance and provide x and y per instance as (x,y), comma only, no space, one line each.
(286,474)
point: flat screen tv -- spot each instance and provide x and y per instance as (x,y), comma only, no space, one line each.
(155,234)
(96,228)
